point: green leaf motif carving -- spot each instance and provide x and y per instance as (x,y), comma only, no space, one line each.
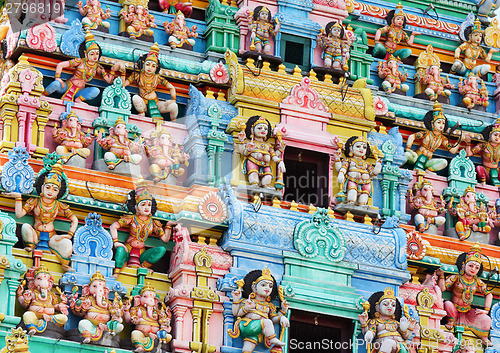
(317,237)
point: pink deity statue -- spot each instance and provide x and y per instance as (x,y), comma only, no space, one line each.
(71,139)
(93,15)
(51,186)
(179,33)
(85,69)
(42,304)
(138,21)
(166,156)
(253,144)
(120,148)
(393,78)
(489,152)
(255,313)
(355,172)
(472,94)
(98,312)
(336,50)
(262,27)
(470,216)
(149,320)
(435,85)
(383,324)
(463,287)
(428,210)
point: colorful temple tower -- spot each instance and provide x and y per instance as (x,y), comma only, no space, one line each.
(249,176)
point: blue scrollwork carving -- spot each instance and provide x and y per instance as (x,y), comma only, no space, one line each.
(17,175)
(92,239)
(71,39)
(495,317)
(318,237)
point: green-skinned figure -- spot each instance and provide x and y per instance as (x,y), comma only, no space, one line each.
(141,225)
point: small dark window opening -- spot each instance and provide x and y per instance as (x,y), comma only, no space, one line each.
(294,53)
(311,332)
(306,177)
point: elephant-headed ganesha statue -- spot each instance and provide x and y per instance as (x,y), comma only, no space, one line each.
(150,320)
(41,303)
(98,312)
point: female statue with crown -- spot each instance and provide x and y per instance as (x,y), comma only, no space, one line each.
(120,148)
(336,51)
(148,79)
(355,172)
(472,50)
(141,225)
(463,287)
(394,34)
(85,69)
(253,143)
(179,33)
(51,185)
(436,124)
(256,315)
(470,216)
(383,323)
(261,27)
(70,137)
(489,152)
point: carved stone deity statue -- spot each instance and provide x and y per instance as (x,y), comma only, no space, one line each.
(392,76)
(179,33)
(336,49)
(383,323)
(472,94)
(355,172)
(262,28)
(93,14)
(255,313)
(430,140)
(150,321)
(51,185)
(71,139)
(42,304)
(120,148)
(99,313)
(463,287)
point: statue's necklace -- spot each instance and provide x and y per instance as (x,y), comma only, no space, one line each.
(468,293)
(47,205)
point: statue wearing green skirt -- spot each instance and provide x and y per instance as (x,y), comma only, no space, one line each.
(133,253)
(256,315)
(394,34)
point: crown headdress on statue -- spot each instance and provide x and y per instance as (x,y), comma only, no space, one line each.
(496,126)
(158,132)
(154,53)
(469,189)
(148,288)
(474,254)
(120,121)
(260,120)
(399,10)
(437,112)
(97,277)
(55,176)
(90,43)
(263,9)
(476,28)
(41,269)
(388,294)
(141,192)
(266,275)
(360,139)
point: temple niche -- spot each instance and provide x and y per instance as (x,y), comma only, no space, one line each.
(246,176)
